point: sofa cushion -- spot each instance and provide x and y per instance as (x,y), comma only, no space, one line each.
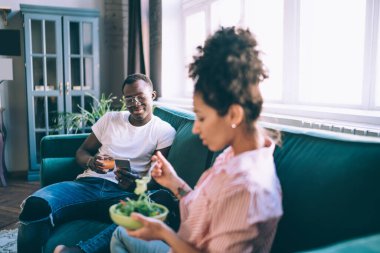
(331,190)
(188,155)
(174,117)
(368,244)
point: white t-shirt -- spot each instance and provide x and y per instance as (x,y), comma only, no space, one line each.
(120,139)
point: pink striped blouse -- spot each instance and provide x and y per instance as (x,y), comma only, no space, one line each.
(236,204)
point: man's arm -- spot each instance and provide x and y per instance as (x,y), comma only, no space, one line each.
(86,151)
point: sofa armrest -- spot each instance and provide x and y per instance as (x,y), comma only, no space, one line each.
(63,145)
(58,158)
(54,170)
(367,244)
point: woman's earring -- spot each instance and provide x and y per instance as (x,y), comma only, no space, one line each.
(233,126)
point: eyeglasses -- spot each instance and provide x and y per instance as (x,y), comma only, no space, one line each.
(131,101)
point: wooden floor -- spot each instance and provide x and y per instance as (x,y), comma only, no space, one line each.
(11,196)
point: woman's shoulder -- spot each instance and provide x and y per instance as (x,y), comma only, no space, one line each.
(252,171)
(262,191)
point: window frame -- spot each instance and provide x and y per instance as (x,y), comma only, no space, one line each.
(366,115)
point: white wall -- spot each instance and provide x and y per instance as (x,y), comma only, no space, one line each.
(13,94)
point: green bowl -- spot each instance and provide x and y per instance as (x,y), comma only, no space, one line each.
(131,224)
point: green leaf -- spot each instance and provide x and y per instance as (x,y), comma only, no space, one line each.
(78,122)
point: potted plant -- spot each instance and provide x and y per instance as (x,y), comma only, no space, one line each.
(74,122)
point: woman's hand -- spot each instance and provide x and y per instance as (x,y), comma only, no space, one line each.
(164,173)
(152,229)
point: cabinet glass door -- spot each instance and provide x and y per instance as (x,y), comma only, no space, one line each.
(44,74)
(62,70)
(82,62)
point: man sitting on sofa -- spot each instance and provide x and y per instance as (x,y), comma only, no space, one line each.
(134,134)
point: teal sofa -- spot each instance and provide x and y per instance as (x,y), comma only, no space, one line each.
(330,182)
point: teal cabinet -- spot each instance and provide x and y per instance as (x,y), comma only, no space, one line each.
(62,69)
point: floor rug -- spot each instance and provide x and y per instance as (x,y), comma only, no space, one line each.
(8,241)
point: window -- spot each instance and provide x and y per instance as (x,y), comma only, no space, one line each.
(331,51)
(323,56)
(377,66)
(195,34)
(225,13)
(265,19)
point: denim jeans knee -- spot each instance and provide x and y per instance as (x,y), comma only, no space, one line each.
(35,209)
(35,225)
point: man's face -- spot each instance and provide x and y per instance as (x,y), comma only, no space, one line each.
(139,100)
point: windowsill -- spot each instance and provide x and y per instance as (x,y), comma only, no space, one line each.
(349,121)
(333,119)
(347,115)
(182,103)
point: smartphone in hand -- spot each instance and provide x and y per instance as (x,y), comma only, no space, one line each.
(123,164)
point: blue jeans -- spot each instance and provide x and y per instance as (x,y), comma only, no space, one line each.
(121,242)
(83,198)
(101,242)
(62,202)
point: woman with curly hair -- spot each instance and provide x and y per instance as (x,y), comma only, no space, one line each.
(236,204)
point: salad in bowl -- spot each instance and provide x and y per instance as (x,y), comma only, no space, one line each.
(120,213)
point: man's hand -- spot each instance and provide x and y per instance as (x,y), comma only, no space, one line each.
(99,163)
(126,179)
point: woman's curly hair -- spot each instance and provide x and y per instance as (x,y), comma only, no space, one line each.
(227,70)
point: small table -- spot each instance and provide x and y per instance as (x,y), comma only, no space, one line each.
(3,169)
